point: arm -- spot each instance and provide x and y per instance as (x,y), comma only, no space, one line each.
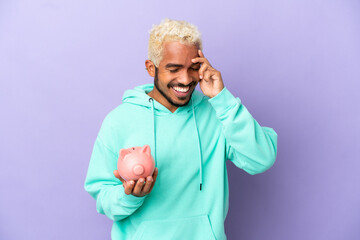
(102,185)
(248,145)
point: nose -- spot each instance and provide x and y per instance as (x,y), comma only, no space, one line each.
(185,79)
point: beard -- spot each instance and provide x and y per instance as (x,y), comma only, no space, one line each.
(167,97)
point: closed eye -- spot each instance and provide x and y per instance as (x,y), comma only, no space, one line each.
(177,69)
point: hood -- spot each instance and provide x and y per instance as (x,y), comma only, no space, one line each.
(138,96)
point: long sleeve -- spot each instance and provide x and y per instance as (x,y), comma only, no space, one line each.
(248,145)
(102,185)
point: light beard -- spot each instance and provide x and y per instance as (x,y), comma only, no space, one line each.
(156,85)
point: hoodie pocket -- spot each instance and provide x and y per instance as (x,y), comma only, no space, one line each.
(182,228)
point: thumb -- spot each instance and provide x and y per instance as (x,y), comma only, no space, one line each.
(117,175)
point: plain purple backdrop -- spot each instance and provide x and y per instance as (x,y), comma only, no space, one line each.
(294,64)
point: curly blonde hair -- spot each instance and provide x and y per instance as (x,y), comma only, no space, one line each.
(171,30)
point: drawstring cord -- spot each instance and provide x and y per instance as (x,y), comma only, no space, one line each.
(199,146)
(154,132)
(197,133)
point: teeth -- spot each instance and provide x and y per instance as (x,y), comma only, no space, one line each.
(179,89)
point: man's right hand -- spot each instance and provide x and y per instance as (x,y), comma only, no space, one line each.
(138,188)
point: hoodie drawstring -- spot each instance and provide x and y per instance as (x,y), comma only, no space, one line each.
(199,146)
(154,132)
(197,134)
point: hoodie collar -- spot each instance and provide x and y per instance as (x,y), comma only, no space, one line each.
(138,96)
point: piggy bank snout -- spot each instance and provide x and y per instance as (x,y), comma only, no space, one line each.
(138,169)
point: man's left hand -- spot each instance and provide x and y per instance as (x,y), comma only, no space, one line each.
(210,82)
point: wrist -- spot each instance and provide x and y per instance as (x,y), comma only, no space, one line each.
(216,93)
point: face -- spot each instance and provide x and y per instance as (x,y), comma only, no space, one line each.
(176,76)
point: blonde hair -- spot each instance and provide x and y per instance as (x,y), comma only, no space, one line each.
(171,30)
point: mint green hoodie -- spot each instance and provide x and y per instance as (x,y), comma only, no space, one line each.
(190,146)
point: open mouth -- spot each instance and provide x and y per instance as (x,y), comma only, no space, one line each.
(181,91)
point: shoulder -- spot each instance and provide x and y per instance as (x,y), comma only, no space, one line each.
(203,107)
(200,100)
(123,113)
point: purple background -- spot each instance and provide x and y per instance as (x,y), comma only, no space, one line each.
(294,64)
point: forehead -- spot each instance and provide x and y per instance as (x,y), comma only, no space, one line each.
(176,52)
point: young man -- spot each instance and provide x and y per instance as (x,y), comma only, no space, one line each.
(191,135)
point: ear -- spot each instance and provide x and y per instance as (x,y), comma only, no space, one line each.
(123,153)
(150,67)
(146,149)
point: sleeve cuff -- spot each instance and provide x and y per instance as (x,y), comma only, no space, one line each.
(130,199)
(223,101)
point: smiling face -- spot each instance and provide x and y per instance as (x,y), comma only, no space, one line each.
(176,77)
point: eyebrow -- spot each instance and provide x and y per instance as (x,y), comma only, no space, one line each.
(170,65)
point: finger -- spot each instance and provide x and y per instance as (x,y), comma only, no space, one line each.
(128,186)
(200,60)
(139,186)
(201,54)
(154,176)
(202,69)
(117,175)
(207,75)
(147,186)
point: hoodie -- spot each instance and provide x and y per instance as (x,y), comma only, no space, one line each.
(190,147)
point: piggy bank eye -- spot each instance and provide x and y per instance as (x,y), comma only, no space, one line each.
(133,148)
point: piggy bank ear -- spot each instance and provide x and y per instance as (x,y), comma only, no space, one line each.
(123,153)
(146,149)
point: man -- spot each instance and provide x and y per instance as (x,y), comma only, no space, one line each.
(191,135)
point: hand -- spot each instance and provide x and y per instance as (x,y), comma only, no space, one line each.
(210,82)
(138,188)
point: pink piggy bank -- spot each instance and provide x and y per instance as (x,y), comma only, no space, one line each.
(135,163)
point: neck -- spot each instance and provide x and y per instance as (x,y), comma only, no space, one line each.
(160,98)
